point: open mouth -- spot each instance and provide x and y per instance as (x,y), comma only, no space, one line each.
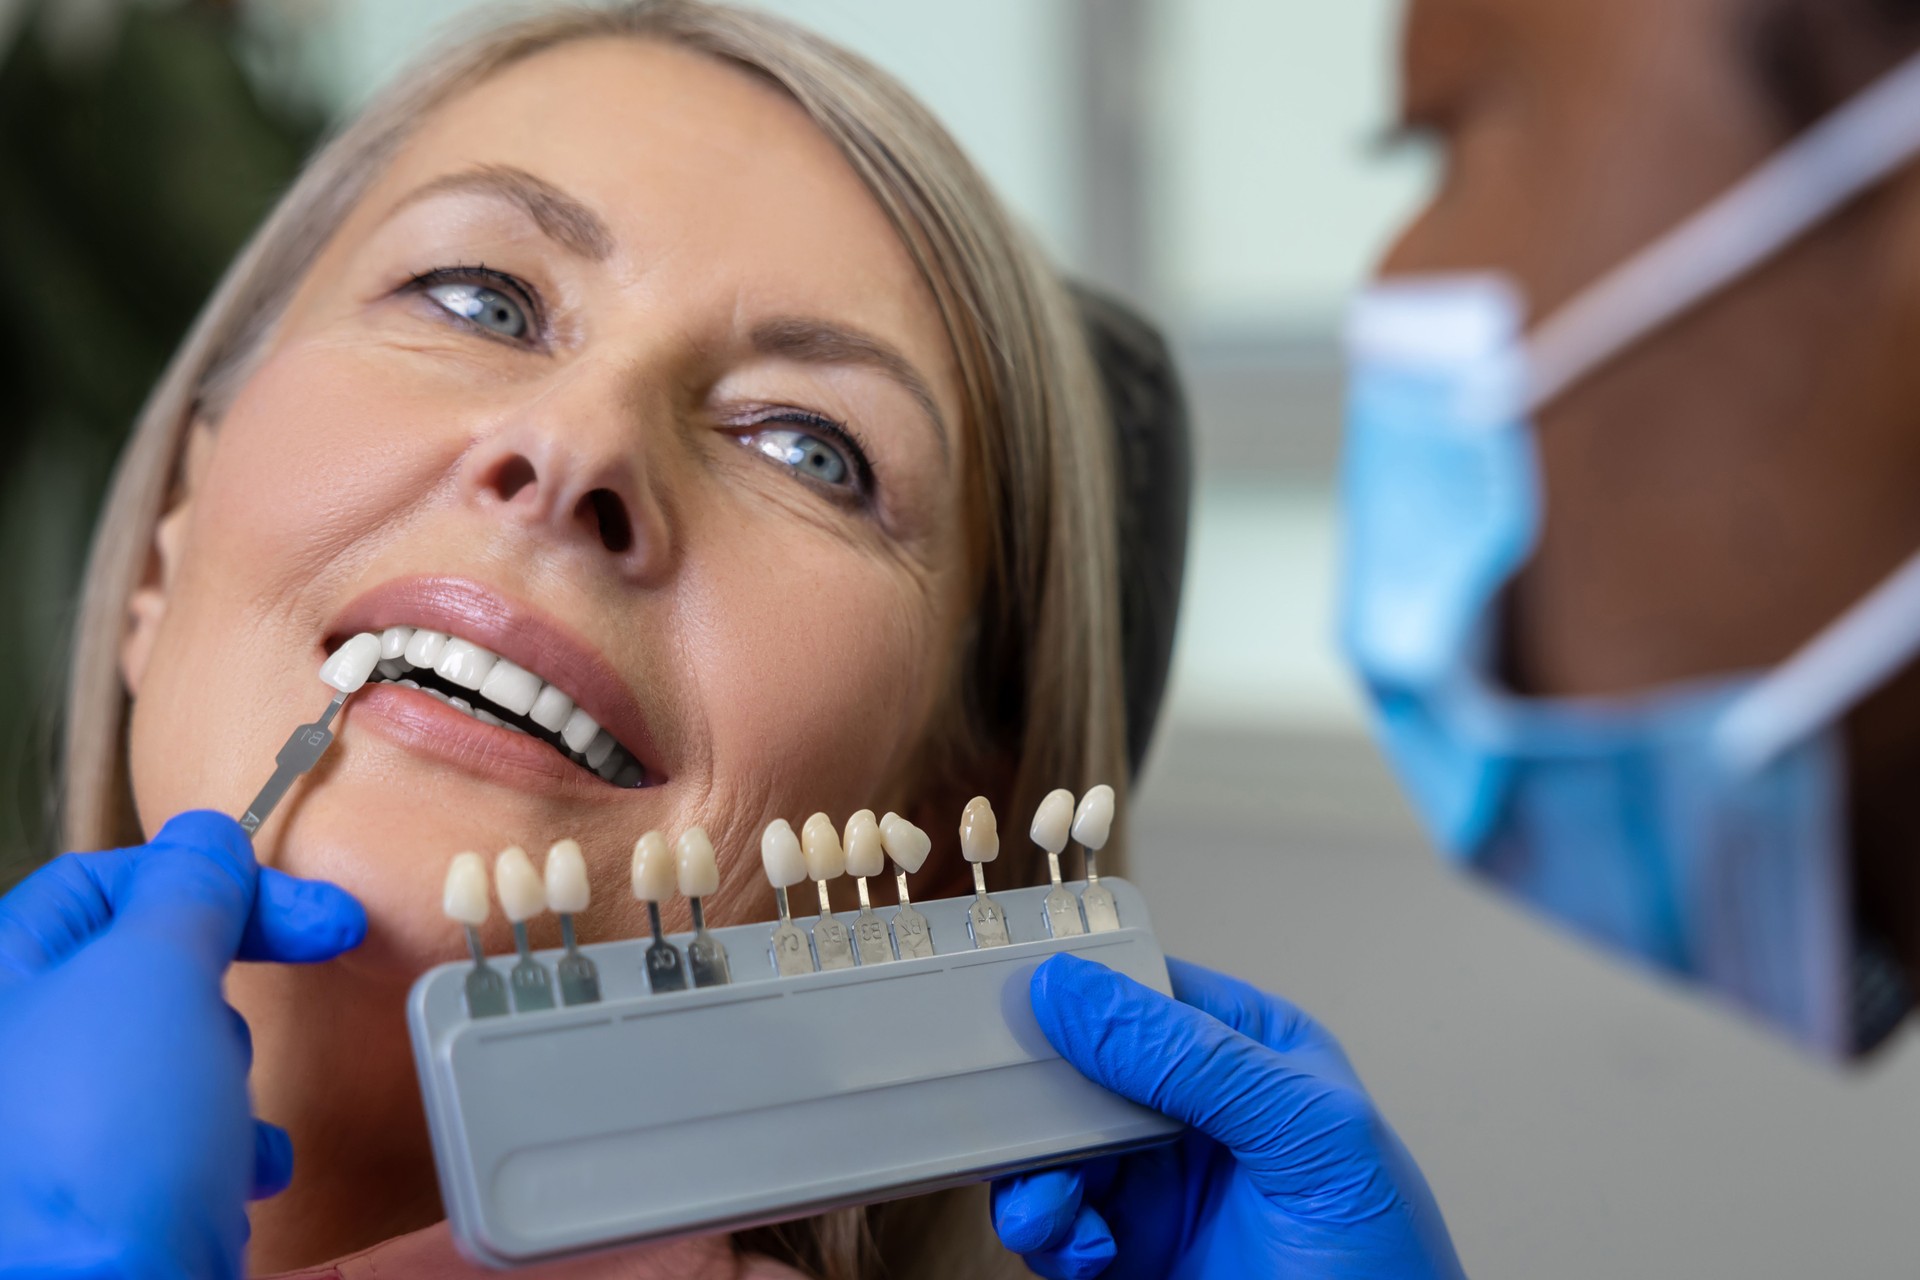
(496,692)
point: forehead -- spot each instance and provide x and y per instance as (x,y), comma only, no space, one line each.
(716,186)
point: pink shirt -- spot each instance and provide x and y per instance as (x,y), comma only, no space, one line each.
(429,1254)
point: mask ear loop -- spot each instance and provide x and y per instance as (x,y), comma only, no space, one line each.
(1826,677)
(1853,148)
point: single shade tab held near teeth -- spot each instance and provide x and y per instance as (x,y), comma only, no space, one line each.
(352,663)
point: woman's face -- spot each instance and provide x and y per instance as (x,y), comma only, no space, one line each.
(619,372)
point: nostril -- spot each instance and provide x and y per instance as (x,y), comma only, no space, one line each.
(514,474)
(607,513)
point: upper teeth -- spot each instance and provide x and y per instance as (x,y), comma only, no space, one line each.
(509,687)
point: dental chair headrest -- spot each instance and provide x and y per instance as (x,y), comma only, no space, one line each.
(1154,490)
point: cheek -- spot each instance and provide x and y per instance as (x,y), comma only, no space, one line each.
(318,461)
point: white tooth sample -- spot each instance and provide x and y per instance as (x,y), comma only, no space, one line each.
(393,643)
(579,730)
(464,663)
(906,844)
(352,663)
(780,854)
(979,831)
(391,668)
(1052,819)
(567,877)
(656,873)
(825,856)
(551,709)
(513,687)
(600,749)
(699,867)
(522,896)
(424,646)
(1093,821)
(465,899)
(460,704)
(866,854)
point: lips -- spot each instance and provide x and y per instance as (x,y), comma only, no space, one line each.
(518,673)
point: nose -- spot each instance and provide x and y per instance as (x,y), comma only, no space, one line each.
(572,472)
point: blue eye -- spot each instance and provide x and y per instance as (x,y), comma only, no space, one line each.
(489,308)
(808,452)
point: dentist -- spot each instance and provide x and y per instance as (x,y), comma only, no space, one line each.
(1631,576)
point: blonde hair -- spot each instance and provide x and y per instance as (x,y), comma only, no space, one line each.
(1041,705)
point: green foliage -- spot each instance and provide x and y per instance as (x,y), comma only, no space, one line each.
(130,173)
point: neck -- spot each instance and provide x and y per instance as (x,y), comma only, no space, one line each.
(333,1066)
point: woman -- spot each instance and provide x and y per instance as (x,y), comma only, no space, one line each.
(681,358)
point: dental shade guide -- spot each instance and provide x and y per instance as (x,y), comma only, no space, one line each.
(568,893)
(908,846)
(979,845)
(700,878)
(522,897)
(751,1086)
(465,902)
(867,856)
(1092,823)
(655,876)
(786,865)
(1050,823)
(827,860)
(346,670)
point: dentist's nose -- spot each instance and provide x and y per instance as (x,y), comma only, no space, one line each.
(577,480)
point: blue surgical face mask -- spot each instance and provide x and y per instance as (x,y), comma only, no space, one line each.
(1699,828)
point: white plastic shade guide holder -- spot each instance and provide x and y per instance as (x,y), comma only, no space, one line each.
(345,671)
(751,1089)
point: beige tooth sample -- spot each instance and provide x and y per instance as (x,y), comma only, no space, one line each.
(465,901)
(826,860)
(352,663)
(523,896)
(700,878)
(908,846)
(567,893)
(1092,824)
(510,686)
(656,874)
(424,646)
(786,865)
(1050,829)
(979,845)
(866,855)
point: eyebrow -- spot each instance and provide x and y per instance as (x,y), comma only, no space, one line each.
(560,217)
(818,342)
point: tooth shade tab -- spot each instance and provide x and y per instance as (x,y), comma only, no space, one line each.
(465,898)
(1093,821)
(352,663)
(551,709)
(655,872)
(1052,819)
(579,730)
(906,844)
(393,643)
(699,867)
(866,854)
(781,856)
(423,648)
(510,686)
(567,887)
(522,895)
(826,859)
(979,831)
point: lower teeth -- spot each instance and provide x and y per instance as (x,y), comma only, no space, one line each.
(617,767)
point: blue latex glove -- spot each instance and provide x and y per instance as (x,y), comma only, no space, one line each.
(1287,1170)
(127,1144)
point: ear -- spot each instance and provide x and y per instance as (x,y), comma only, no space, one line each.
(147,607)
